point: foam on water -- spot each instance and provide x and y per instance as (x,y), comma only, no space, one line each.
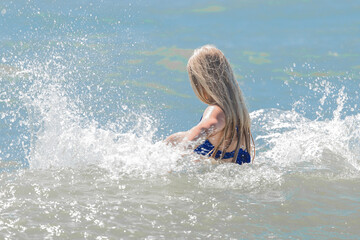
(64,135)
(57,124)
(83,89)
(324,145)
(309,145)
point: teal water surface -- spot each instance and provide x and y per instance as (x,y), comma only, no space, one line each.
(89,89)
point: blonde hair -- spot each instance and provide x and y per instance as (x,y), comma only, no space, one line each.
(214,83)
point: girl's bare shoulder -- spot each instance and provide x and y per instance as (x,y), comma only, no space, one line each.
(214,111)
(216,115)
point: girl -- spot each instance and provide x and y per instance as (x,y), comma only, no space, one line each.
(224,130)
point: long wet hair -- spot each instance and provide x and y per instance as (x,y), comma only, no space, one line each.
(214,83)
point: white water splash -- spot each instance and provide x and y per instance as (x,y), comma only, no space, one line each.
(287,142)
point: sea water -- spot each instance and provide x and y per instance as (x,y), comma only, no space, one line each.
(89,89)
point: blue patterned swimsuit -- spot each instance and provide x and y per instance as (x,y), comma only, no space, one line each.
(207,147)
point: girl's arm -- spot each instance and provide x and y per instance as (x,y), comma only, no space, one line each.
(212,122)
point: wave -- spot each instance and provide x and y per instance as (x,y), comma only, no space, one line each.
(60,133)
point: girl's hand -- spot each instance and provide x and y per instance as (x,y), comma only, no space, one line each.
(175,138)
